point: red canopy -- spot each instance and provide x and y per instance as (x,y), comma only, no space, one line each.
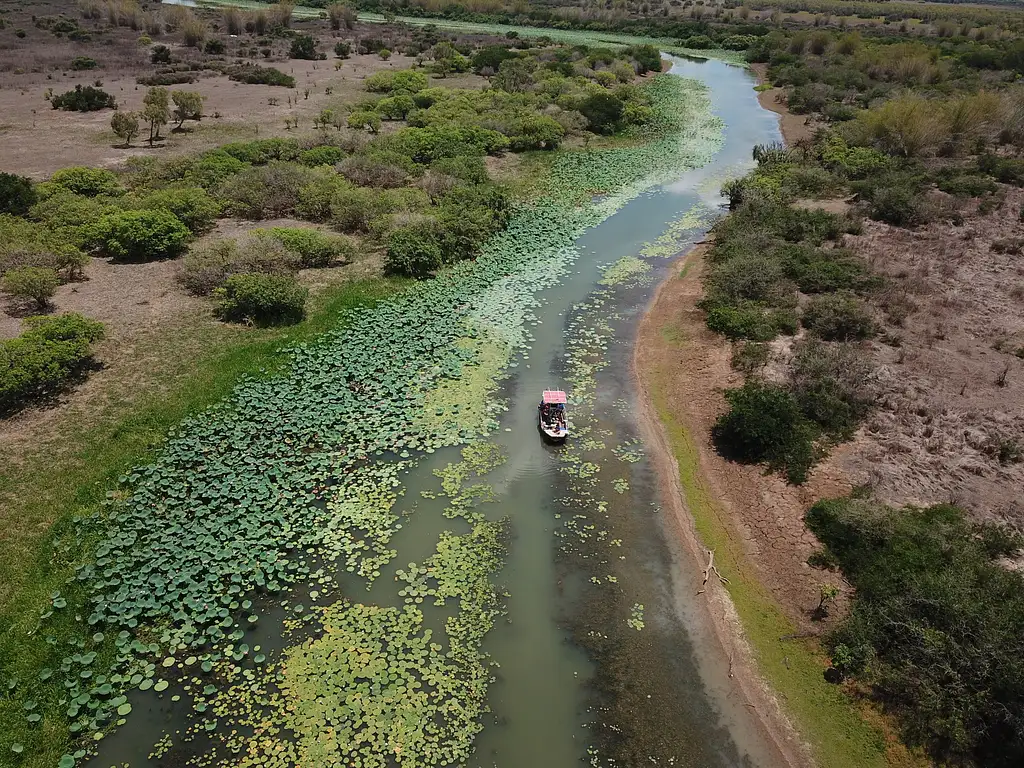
(554,396)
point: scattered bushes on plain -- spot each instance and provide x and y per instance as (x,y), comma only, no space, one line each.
(44,356)
(84,98)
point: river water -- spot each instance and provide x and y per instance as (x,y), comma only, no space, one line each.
(584,675)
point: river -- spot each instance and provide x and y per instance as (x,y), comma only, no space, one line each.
(602,654)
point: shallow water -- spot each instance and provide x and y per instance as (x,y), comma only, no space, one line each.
(573,675)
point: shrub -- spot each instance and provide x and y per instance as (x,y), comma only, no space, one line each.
(372,172)
(215,47)
(314,248)
(407,80)
(832,384)
(304,47)
(315,198)
(324,155)
(414,251)
(262,299)
(342,50)
(257,75)
(900,206)
(16,194)
(84,99)
(265,191)
(160,54)
(764,423)
(352,210)
(603,112)
(193,206)
(211,168)
(166,78)
(262,151)
(88,182)
(143,235)
(749,320)
(207,266)
(35,283)
(935,625)
(44,356)
(80,63)
(839,317)
(823,270)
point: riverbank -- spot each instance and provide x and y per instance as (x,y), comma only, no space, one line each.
(752,522)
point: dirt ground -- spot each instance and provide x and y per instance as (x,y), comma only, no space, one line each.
(951,374)
(38,140)
(795,128)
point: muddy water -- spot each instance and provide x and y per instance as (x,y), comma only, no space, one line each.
(576,683)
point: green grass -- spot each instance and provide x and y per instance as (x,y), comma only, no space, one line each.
(56,482)
(825,716)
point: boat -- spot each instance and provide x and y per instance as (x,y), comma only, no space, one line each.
(551,415)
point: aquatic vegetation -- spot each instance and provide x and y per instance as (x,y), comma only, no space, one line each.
(627,270)
(283,483)
(636,617)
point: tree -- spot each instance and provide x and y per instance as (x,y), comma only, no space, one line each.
(125,125)
(488,59)
(156,111)
(514,75)
(444,54)
(603,112)
(364,119)
(16,194)
(188,105)
(341,15)
(304,47)
(36,283)
(343,50)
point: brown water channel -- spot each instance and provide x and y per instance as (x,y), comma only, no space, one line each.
(583,675)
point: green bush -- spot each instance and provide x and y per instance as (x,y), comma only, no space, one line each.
(603,112)
(265,191)
(35,283)
(823,270)
(257,75)
(80,63)
(166,78)
(839,317)
(407,81)
(900,206)
(44,356)
(207,266)
(84,99)
(261,299)
(749,320)
(16,194)
(414,251)
(263,151)
(211,169)
(314,248)
(342,50)
(25,243)
(143,235)
(304,47)
(764,424)
(192,205)
(315,198)
(88,182)
(833,385)
(324,155)
(1008,170)
(936,626)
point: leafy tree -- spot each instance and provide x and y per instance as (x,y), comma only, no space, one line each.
(85,98)
(143,235)
(262,299)
(764,423)
(647,57)
(323,155)
(603,112)
(35,283)
(488,59)
(936,627)
(514,75)
(304,47)
(395,107)
(444,54)
(160,54)
(125,125)
(362,118)
(188,105)
(156,111)
(16,194)
(384,54)
(535,132)
(414,251)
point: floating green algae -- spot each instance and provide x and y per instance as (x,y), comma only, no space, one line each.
(628,269)
(283,481)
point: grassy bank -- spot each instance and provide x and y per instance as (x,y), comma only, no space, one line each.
(838,734)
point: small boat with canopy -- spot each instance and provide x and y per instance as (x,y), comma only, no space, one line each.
(552,416)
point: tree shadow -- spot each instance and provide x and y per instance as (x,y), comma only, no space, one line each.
(22,308)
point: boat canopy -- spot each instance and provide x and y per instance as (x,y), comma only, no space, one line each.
(554,396)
